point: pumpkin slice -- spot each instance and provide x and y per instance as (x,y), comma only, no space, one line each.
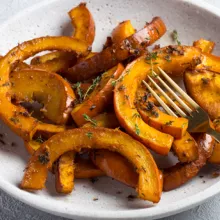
(115,166)
(16,117)
(64,174)
(205,45)
(95,138)
(99,99)
(115,54)
(181,57)
(181,173)
(215,157)
(47,88)
(168,124)
(185,148)
(86,169)
(122,31)
(83,23)
(204,88)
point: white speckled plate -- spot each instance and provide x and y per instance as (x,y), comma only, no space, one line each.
(192,20)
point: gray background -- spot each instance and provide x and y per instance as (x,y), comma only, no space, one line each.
(11,209)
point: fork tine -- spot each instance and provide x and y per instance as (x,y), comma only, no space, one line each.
(167,109)
(183,104)
(180,112)
(178,89)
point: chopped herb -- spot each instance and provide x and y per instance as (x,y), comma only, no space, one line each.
(149,106)
(14,120)
(152,56)
(94,179)
(92,107)
(167,58)
(176,37)
(137,129)
(155,113)
(89,135)
(113,82)
(147,38)
(77,86)
(6,84)
(128,71)
(127,97)
(189,139)
(169,123)
(205,80)
(136,115)
(87,118)
(121,88)
(44,158)
(95,82)
(39,139)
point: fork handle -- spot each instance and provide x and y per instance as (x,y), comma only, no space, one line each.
(214,134)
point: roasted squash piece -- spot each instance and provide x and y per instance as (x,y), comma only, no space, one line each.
(115,166)
(204,88)
(58,64)
(16,117)
(122,31)
(113,55)
(168,124)
(84,168)
(99,99)
(185,148)
(105,120)
(181,173)
(181,57)
(47,88)
(205,45)
(83,23)
(64,174)
(215,157)
(95,138)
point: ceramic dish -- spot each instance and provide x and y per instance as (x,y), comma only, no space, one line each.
(192,20)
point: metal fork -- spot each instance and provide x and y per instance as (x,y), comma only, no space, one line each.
(198,118)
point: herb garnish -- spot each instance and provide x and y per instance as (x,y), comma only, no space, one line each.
(94,84)
(169,123)
(77,86)
(205,80)
(168,58)
(137,129)
(44,158)
(176,37)
(121,88)
(14,120)
(87,118)
(150,57)
(39,139)
(89,135)
(136,115)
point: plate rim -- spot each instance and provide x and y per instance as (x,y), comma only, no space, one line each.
(41,203)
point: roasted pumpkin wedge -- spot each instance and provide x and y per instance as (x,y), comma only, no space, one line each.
(16,117)
(168,124)
(99,99)
(205,45)
(105,120)
(83,23)
(209,62)
(60,63)
(51,90)
(113,55)
(95,138)
(215,157)
(185,148)
(204,88)
(122,31)
(64,174)
(85,168)
(181,57)
(181,173)
(115,166)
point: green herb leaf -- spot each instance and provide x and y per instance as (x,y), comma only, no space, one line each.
(95,82)
(44,158)
(169,123)
(77,86)
(87,118)
(39,139)
(14,120)
(176,37)
(137,129)
(89,135)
